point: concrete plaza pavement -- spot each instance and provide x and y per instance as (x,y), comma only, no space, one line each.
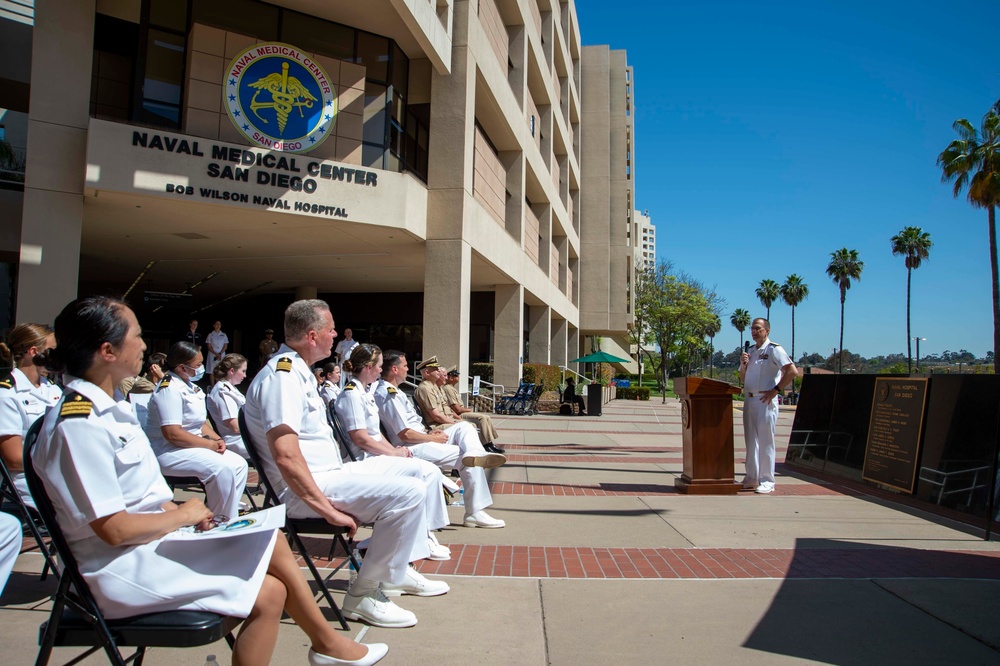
(603,562)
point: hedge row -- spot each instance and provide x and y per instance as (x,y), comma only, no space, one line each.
(548,376)
(633,393)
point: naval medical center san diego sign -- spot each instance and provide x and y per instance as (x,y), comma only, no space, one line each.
(279,98)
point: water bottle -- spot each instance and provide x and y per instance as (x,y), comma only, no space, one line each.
(210,661)
(353,573)
(461,497)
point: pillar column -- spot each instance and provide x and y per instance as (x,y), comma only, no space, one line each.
(447,275)
(560,335)
(539,333)
(507,343)
(62,52)
(573,348)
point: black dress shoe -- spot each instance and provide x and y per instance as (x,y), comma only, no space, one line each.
(491,448)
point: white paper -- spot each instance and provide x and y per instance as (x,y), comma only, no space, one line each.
(257,521)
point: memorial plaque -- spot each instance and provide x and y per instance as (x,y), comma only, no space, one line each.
(892,453)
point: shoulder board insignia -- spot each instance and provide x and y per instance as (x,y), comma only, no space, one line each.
(349,387)
(165,381)
(391,390)
(284,364)
(6,383)
(75,405)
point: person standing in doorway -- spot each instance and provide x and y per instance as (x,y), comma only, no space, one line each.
(343,352)
(218,343)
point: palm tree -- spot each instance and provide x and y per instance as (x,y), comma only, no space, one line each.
(740,319)
(973,160)
(768,292)
(914,244)
(793,292)
(713,327)
(844,267)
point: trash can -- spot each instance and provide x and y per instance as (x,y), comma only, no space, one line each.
(595,399)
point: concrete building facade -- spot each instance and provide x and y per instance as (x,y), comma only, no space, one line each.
(644,234)
(442,185)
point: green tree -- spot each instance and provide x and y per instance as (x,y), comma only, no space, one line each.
(843,268)
(677,310)
(740,319)
(793,292)
(914,244)
(768,292)
(973,161)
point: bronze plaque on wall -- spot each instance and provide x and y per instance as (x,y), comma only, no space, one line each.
(893,448)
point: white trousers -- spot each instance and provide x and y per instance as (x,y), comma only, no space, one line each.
(759,421)
(435,509)
(10,546)
(224,476)
(463,440)
(384,492)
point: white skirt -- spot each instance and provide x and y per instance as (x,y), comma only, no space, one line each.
(219,575)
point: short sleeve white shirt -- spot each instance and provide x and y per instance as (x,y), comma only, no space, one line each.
(329,392)
(224,403)
(764,367)
(216,340)
(22,403)
(396,412)
(284,393)
(357,410)
(97,463)
(175,402)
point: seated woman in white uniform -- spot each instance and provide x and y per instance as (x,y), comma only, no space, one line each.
(225,401)
(24,395)
(329,390)
(358,413)
(115,508)
(183,439)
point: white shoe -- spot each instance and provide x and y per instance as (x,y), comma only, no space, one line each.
(765,488)
(376,609)
(483,519)
(416,585)
(486,460)
(375,653)
(439,553)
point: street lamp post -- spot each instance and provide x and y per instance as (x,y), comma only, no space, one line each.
(918,351)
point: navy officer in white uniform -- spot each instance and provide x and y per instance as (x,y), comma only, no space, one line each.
(458,447)
(182,438)
(764,371)
(358,414)
(286,420)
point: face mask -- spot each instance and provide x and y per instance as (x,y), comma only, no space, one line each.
(198,373)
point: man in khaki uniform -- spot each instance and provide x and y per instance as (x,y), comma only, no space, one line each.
(448,381)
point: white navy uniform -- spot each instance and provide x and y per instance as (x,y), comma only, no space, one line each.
(397,414)
(384,491)
(343,350)
(179,402)
(225,402)
(10,546)
(357,410)
(21,404)
(759,419)
(216,341)
(95,461)
(329,391)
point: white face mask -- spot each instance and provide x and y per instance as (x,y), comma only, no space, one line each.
(198,372)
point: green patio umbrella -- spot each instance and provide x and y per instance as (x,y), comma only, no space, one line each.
(601,357)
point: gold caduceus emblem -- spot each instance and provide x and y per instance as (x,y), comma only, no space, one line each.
(287,93)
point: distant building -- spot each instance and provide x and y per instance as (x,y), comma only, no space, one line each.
(644,234)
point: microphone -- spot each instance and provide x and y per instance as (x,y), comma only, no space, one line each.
(746,347)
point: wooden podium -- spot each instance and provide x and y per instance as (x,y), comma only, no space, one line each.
(707,420)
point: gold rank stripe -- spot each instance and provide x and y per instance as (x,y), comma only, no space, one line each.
(284,365)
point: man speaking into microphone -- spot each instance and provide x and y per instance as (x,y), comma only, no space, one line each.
(765,370)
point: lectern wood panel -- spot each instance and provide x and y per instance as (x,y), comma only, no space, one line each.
(707,421)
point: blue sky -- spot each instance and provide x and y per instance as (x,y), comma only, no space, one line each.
(769,134)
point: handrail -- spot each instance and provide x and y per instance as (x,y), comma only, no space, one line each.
(565,369)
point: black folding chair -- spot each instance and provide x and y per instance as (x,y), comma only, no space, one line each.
(347,447)
(27,515)
(76,621)
(294,527)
